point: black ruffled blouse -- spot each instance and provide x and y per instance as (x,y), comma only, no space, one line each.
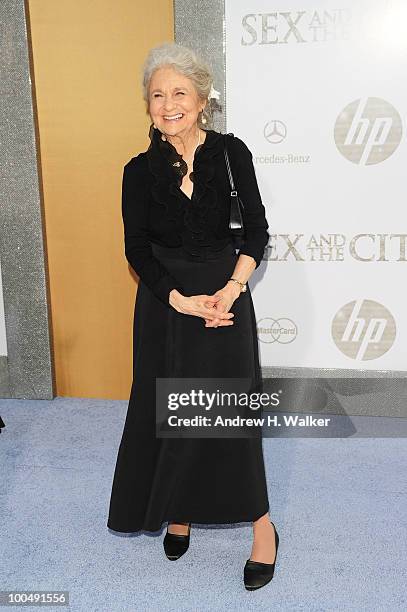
(155,209)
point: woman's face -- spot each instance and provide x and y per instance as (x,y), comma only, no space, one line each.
(173,102)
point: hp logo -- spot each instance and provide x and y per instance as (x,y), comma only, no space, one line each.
(363,330)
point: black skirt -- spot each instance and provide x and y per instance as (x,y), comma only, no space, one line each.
(197,480)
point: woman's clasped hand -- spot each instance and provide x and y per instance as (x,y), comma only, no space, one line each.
(214,309)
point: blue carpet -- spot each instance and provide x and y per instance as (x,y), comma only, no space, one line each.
(339,506)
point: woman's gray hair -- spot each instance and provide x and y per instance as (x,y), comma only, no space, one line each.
(186,62)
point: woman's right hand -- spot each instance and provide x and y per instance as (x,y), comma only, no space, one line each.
(199,306)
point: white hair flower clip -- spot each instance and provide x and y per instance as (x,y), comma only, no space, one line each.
(213,93)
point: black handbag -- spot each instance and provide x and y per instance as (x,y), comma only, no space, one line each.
(236,224)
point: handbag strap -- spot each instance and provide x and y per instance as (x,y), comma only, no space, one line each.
(225,150)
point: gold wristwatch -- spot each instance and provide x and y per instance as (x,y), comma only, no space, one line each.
(243,286)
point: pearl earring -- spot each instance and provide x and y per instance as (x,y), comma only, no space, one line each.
(203,118)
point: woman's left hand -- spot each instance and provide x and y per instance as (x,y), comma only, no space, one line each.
(229,293)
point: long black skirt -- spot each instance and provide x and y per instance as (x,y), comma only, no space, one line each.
(198,480)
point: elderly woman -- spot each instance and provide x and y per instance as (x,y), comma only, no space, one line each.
(193,317)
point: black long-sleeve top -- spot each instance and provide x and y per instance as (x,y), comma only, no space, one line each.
(155,209)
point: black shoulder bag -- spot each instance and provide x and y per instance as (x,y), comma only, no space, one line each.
(236,225)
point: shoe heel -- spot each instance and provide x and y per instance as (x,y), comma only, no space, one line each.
(277,543)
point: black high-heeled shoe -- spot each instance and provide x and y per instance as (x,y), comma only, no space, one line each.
(256,574)
(176,545)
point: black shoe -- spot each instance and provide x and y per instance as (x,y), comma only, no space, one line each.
(176,545)
(256,574)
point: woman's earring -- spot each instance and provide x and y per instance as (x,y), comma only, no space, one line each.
(203,118)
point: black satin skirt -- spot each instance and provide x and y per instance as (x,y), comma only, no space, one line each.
(198,480)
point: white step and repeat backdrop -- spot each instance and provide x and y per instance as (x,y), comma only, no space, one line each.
(317,90)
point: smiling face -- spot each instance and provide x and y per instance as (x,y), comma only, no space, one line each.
(174,105)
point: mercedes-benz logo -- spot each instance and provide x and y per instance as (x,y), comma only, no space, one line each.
(275,131)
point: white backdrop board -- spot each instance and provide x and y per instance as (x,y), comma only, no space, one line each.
(318,92)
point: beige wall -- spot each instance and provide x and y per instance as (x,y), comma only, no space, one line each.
(87,56)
